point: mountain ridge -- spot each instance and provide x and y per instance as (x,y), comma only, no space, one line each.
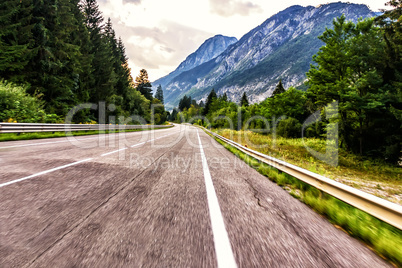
(280,48)
(208,50)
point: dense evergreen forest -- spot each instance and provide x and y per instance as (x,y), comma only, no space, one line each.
(359,68)
(55,54)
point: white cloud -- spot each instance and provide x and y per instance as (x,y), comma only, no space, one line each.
(227,8)
(159,49)
(137,2)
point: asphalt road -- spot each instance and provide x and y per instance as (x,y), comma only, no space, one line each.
(155,199)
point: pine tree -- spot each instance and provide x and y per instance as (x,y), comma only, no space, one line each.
(127,77)
(224,97)
(15,38)
(119,59)
(93,17)
(244,100)
(173,115)
(159,94)
(103,74)
(185,103)
(278,89)
(143,85)
(81,38)
(68,54)
(211,97)
(54,65)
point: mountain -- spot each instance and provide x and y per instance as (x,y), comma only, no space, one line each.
(210,49)
(280,48)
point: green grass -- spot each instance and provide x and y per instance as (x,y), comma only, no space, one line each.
(369,175)
(45,135)
(383,238)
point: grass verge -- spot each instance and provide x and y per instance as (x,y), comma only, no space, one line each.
(383,238)
(369,175)
(45,135)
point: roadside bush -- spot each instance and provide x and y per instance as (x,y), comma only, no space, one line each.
(289,128)
(18,106)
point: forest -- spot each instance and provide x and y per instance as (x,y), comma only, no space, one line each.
(359,67)
(56,54)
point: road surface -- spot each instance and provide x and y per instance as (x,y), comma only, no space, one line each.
(164,198)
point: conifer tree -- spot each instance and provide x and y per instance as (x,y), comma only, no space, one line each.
(54,65)
(122,81)
(173,115)
(185,103)
(15,37)
(224,97)
(278,89)
(244,100)
(211,97)
(125,84)
(159,94)
(81,37)
(143,85)
(92,17)
(104,77)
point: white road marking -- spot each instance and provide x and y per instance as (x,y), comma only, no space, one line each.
(68,165)
(224,253)
(45,172)
(135,145)
(54,142)
(114,152)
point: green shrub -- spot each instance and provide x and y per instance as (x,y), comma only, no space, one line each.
(18,106)
(289,128)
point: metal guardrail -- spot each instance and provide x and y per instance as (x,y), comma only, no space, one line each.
(34,127)
(382,209)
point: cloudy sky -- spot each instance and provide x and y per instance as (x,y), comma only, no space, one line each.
(159,34)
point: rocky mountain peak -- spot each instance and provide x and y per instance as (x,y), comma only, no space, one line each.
(281,48)
(210,49)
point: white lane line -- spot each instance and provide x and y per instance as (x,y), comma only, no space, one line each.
(45,172)
(224,253)
(114,152)
(135,145)
(68,165)
(54,142)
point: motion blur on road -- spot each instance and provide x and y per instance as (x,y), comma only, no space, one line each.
(143,199)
